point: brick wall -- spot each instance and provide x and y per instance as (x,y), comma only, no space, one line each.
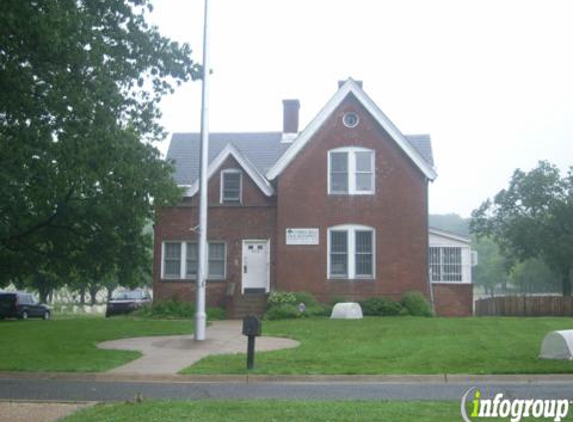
(255,218)
(398,211)
(453,300)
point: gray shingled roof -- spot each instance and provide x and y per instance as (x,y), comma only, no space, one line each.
(262,149)
(422,144)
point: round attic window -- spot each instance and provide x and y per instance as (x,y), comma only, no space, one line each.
(350,119)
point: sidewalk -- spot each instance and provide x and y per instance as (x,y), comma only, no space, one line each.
(168,355)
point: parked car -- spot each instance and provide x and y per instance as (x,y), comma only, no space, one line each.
(22,305)
(126,301)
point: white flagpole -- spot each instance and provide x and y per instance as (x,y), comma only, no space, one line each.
(200,315)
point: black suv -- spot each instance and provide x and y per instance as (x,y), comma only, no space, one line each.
(22,305)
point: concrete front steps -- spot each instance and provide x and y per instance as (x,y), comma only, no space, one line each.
(248,304)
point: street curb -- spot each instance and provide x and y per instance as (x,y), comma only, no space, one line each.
(37,401)
(298,379)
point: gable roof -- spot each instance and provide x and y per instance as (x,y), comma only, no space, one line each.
(261,150)
(264,154)
(231,151)
(351,87)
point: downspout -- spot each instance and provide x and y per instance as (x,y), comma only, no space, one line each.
(428,278)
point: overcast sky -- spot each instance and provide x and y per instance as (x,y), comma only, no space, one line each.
(490,81)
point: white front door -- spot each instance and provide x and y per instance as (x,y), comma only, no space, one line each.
(255,265)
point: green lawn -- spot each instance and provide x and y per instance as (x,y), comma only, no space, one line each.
(70,344)
(277,411)
(402,345)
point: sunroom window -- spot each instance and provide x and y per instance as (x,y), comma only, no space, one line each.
(446,264)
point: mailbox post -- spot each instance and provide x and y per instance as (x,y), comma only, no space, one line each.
(251,329)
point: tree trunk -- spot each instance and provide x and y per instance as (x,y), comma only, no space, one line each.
(83,296)
(93,294)
(43,292)
(110,293)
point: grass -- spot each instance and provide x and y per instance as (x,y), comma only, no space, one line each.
(276,411)
(69,345)
(402,345)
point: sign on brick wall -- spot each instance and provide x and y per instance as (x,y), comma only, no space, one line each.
(301,236)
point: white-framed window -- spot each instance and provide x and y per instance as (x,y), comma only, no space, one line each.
(180,260)
(351,171)
(446,264)
(231,186)
(351,252)
(172,260)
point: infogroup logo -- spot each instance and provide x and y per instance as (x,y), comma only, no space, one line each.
(475,407)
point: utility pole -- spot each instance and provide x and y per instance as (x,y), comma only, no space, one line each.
(200,315)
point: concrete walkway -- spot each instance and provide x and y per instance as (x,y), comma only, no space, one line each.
(167,355)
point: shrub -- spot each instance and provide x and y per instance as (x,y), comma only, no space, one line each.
(306,298)
(381,306)
(282,311)
(176,309)
(283,305)
(317,310)
(281,298)
(417,304)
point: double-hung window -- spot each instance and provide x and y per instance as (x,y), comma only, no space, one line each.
(351,252)
(231,186)
(351,171)
(216,267)
(181,260)
(172,260)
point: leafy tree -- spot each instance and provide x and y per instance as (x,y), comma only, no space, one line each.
(533,218)
(534,276)
(80,83)
(493,268)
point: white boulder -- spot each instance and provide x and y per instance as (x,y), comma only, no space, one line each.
(557,345)
(346,310)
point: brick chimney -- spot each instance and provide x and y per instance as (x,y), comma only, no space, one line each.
(290,116)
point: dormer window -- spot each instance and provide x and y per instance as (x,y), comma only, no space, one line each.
(351,171)
(231,186)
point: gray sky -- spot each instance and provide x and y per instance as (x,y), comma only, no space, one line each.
(490,81)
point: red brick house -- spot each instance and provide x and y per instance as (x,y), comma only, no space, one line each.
(339,209)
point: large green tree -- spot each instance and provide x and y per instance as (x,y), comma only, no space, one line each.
(80,83)
(533,218)
(533,276)
(492,271)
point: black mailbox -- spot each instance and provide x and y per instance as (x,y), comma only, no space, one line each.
(251,326)
(251,329)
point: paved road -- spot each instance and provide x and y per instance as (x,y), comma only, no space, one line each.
(91,390)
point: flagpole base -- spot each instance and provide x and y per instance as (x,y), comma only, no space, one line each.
(200,326)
